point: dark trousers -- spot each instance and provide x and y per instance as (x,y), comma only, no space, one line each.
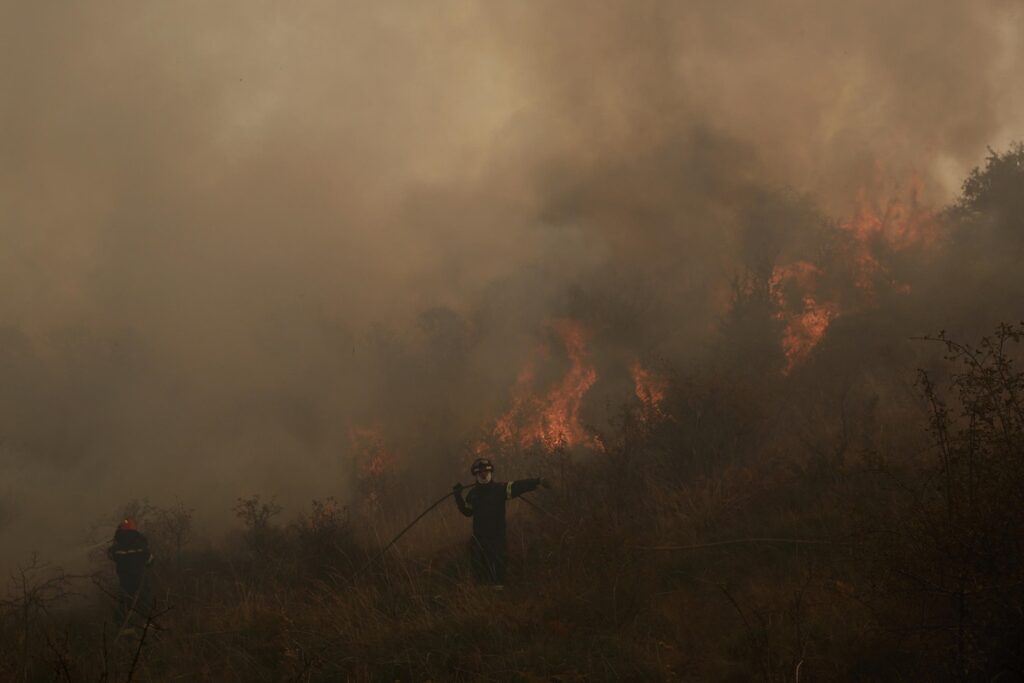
(133,600)
(489,559)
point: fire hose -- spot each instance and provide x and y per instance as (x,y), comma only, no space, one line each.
(423,514)
(541,510)
(401,533)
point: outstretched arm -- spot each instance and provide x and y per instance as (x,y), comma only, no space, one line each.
(514,489)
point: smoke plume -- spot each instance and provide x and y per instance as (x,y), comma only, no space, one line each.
(234,232)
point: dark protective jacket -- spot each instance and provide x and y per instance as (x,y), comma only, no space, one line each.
(485,503)
(131,556)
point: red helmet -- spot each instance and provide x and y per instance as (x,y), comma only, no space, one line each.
(127,523)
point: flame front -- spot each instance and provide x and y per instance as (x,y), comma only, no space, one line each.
(897,223)
(878,228)
(806,325)
(551,420)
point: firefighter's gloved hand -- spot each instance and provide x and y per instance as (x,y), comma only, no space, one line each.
(457,488)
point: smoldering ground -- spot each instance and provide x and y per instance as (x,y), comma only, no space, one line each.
(232,232)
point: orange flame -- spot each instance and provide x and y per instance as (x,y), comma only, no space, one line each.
(805,330)
(375,462)
(898,223)
(650,390)
(553,419)
(878,227)
(805,326)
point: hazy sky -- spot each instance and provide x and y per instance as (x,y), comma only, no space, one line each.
(206,209)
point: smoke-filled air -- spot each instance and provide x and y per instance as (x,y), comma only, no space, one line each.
(720,300)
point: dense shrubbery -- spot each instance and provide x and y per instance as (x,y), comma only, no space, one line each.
(876,566)
(943,568)
(811,526)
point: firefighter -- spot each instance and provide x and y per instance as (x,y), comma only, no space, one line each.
(485,503)
(131,556)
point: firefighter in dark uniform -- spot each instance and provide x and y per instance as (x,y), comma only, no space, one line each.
(131,556)
(485,503)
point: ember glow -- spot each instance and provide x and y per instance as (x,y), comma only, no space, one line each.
(551,419)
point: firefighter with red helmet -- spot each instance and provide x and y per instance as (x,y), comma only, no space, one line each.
(131,556)
(485,503)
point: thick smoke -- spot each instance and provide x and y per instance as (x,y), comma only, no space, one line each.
(234,231)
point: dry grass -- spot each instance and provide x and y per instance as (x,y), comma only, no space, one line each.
(903,581)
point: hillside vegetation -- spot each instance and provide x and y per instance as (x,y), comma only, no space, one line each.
(845,520)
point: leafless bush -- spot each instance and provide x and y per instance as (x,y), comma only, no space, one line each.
(258,515)
(33,591)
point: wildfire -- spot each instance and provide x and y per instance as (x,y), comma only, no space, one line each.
(897,223)
(804,330)
(551,419)
(649,389)
(806,325)
(375,463)
(878,228)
